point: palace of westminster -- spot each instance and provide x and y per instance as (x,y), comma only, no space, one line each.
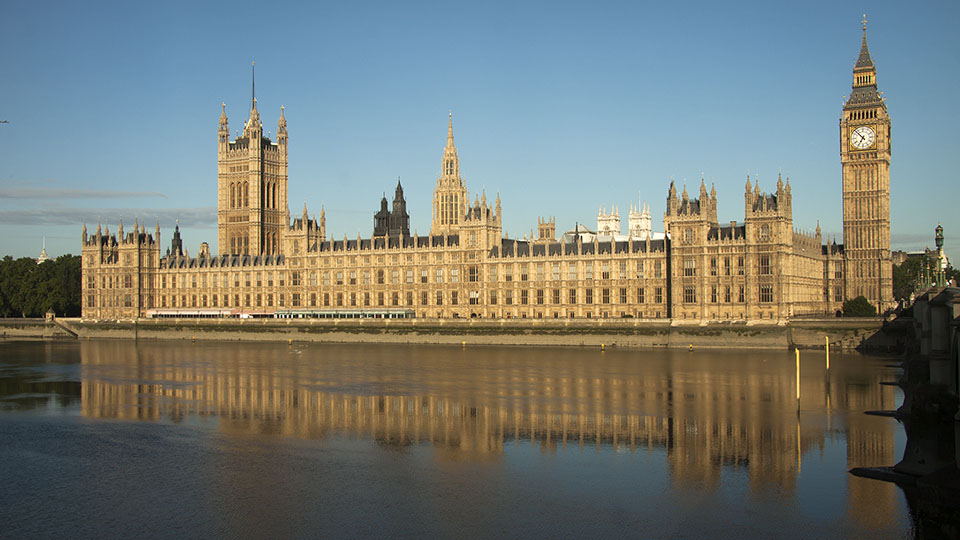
(698,270)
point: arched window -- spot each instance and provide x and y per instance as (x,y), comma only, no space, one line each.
(233,196)
(274,197)
(246,194)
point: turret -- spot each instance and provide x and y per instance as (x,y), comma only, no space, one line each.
(176,244)
(223,134)
(282,129)
(399,218)
(323,224)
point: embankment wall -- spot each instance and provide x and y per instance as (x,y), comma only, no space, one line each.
(868,335)
(31,329)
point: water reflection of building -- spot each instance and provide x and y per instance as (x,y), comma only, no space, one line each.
(706,413)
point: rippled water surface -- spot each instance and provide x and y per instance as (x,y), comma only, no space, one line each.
(200,440)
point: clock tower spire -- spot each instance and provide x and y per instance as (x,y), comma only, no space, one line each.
(865,151)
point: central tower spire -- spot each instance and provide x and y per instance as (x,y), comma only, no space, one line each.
(450,196)
(450,131)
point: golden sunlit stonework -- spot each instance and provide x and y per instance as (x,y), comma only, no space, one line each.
(760,269)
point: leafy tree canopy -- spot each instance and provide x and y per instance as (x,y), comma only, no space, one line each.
(859,307)
(28,289)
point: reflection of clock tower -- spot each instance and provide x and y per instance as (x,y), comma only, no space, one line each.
(865,156)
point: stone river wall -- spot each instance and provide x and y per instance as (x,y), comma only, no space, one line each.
(866,335)
(31,329)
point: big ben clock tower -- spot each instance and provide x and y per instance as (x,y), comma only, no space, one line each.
(865,156)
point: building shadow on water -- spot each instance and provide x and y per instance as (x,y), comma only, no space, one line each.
(929,471)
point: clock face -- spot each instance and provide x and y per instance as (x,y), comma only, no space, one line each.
(863,137)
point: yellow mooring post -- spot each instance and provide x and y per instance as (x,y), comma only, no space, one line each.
(798,379)
(827,339)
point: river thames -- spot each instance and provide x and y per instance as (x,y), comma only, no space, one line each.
(109,439)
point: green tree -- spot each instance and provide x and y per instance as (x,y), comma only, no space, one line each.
(905,277)
(859,307)
(954,274)
(28,289)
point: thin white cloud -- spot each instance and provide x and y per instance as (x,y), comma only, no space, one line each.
(911,240)
(70,193)
(205,216)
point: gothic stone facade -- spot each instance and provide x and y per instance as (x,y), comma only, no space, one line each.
(760,269)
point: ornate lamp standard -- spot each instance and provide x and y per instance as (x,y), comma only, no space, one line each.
(939,276)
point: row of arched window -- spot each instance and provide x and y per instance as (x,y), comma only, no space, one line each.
(240,195)
(240,245)
(270,243)
(863,115)
(449,209)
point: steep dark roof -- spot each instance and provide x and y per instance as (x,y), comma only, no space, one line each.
(726,232)
(832,249)
(768,201)
(689,206)
(864,95)
(864,60)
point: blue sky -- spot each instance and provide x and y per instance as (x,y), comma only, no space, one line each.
(559,107)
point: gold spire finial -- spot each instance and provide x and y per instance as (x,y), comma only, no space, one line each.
(450,129)
(864,22)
